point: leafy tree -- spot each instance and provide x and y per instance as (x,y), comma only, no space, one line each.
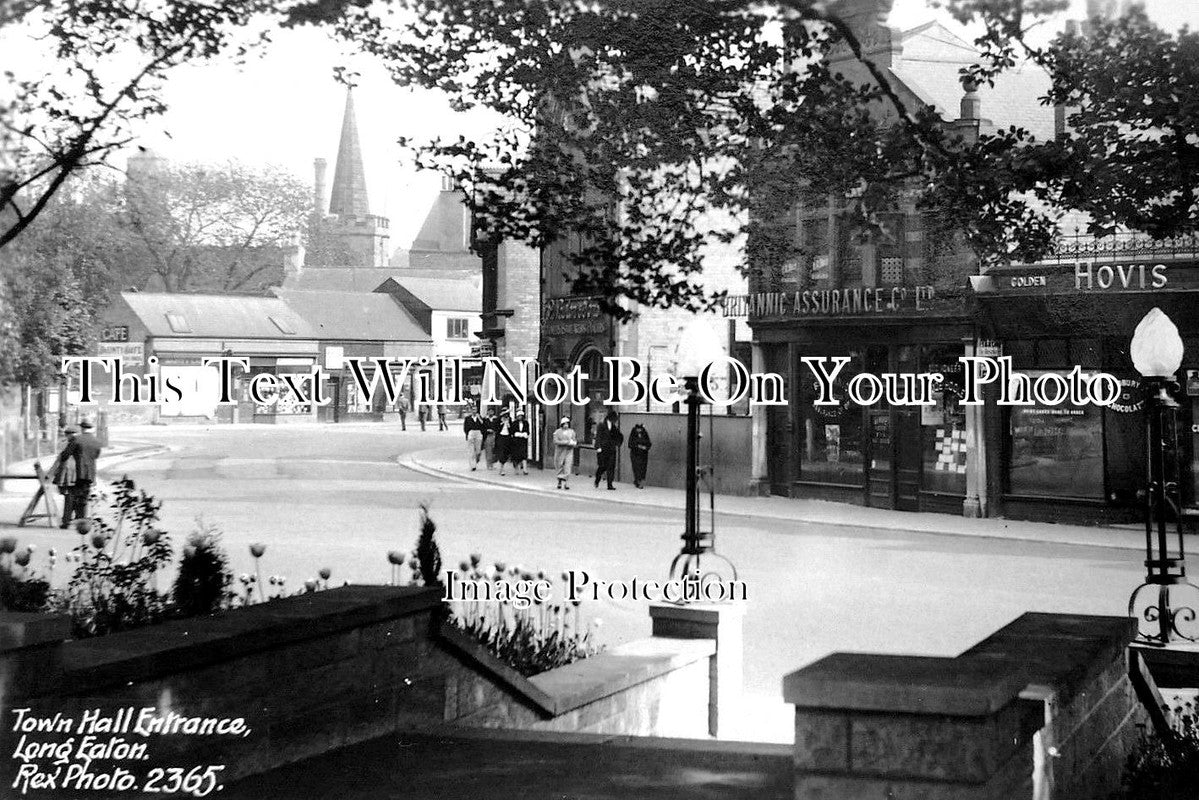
(98,71)
(630,121)
(214,228)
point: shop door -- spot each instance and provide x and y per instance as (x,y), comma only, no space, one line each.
(880,478)
(907,459)
(778,450)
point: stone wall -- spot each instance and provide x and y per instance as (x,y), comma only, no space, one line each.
(1042,708)
(731,454)
(320,671)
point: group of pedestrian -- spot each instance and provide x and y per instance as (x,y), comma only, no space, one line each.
(499,438)
(424,414)
(74,471)
(608,441)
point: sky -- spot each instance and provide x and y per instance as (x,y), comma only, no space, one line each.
(284,107)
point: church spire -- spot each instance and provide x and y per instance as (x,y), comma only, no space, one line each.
(348,195)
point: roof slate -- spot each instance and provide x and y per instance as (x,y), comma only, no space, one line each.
(217,316)
(363,316)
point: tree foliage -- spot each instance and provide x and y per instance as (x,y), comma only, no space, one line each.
(96,73)
(222,228)
(191,227)
(630,121)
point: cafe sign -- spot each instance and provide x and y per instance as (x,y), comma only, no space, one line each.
(870,301)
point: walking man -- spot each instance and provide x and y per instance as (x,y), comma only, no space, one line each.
(441,426)
(473,426)
(402,409)
(608,440)
(639,445)
(422,414)
(518,444)
(564,450)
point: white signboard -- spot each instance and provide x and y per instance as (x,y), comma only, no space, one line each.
(131,355)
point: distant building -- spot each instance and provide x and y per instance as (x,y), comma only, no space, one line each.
(343,232)
(444,240)
(448,311)
(361,325)
(169,335)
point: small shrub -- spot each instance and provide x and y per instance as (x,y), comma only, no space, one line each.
(115,583)
(428,555)
(202,585)
(1157,772)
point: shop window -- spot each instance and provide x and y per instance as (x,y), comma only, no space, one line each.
(830,438)
(1056,451)
(943,425)
(457,328)
(356,402)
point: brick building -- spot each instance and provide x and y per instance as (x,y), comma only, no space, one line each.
(896,304)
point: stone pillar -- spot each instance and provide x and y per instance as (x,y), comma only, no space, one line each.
(759,464)
(723,623)
(1042,707)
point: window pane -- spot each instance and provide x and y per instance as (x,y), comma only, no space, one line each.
(1056,451)
(830,436)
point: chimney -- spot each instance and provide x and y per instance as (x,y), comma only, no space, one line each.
(318,187)
(971,106)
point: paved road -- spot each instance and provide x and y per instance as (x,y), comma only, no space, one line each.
(335,496)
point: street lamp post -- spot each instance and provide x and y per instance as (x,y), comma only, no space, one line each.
(1157,354)
(698,346)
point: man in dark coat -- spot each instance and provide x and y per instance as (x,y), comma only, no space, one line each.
(84,449)
(608,440)
(639,445)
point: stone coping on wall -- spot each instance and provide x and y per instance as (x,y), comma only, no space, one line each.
(87,665)
(468,764)
(1058,651)
(609,672)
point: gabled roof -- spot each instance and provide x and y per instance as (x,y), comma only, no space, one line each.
(930,66)
(207,316)
(440,294)
(354,316)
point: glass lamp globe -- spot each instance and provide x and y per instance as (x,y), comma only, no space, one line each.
(698,346)
(1156,346)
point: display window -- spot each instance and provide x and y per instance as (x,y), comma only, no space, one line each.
(1056,451)
(831,450)
(943,425)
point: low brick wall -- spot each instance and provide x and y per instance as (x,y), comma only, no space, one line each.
(1042,708)
(320,671)
(650,687)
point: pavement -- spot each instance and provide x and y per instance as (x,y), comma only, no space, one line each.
(448,463)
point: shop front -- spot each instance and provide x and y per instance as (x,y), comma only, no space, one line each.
(1085,464)
(885,455)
